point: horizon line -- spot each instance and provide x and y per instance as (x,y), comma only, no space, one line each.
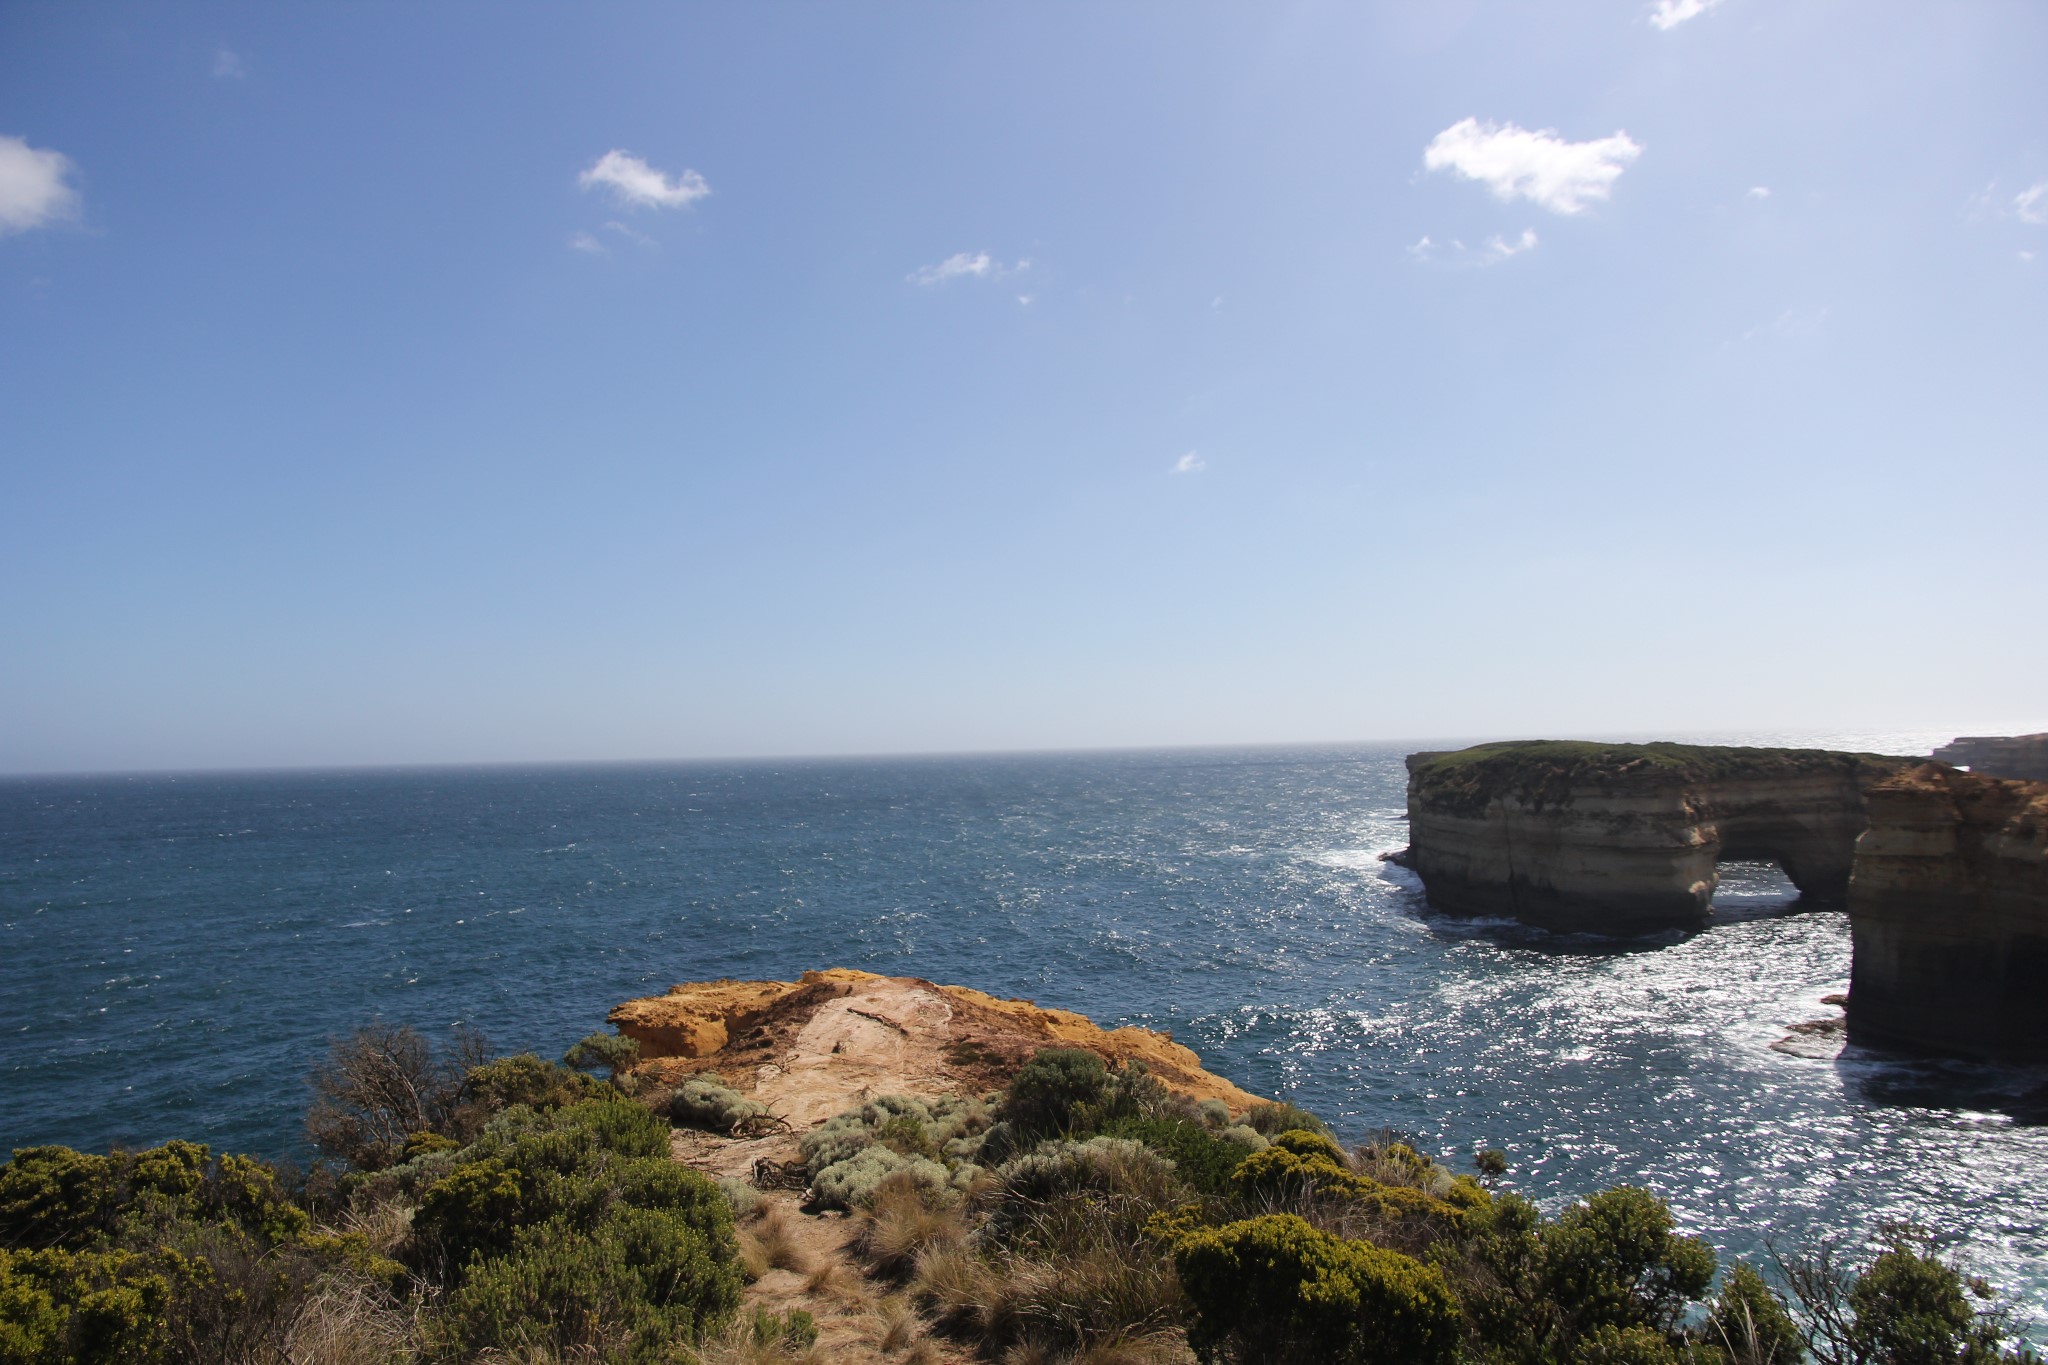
(426,766)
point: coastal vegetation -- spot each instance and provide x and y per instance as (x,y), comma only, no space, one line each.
(1546,769)
(479,1208)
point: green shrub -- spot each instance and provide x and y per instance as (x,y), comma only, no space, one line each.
(1245,1136)
(1075,1197)
(573,1163)
(53,1196)
(521,1079)
(701,1103)
(910,1134)
(1541,1290)
(1201,1157)
(851,1183)
(610,1053)
(1611,1345)
(1274,1117)
(1748,1323)
(1275,1288)
(1215,1113)
(1056,1093)
(631,1287)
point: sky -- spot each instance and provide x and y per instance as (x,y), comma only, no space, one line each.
(494,383)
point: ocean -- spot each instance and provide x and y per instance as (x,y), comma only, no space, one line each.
(175,951)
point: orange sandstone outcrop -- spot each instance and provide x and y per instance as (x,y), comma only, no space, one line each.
(1948,910)
(815,1046)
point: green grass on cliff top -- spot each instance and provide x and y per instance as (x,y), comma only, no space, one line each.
(1524,763)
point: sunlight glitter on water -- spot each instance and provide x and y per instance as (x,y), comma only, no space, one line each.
(1236,898)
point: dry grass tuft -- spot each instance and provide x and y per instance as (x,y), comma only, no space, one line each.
(768,1244)
(741,1344)
(348,1322)
(900,1327)
(386,1223)
(900,1226)
(831,1280)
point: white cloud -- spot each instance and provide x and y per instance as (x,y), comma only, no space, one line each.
(636,184)
(955,266)
(1759,191)
(584,242)
(227,65)
(34,186)
(2032,205)
(1669,14)
(1538,166)
(1492,251)
(636,238)
(1498,250)
(977,265)
(2026,258)
(1025,299)
(1190,463)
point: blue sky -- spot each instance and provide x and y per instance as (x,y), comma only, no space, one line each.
(449,383)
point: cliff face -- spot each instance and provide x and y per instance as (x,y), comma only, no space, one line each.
(1624,839)
(2018,756)
(1948,909)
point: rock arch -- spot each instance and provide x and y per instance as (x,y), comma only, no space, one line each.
(1625,839)
(1944,874)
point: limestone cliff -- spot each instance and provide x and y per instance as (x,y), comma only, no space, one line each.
(2020,756)
(1948,909)
(812,1047)
(1625,838)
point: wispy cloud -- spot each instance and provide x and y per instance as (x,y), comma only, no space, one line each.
(1540,166)
(227,65)
(1190,463)
(35,186)
(635,237)
(635,184)
(1795,323)
(584,242)
(1759,191)
(963,265)
(2032,205)
(1492,251)
(1669,14)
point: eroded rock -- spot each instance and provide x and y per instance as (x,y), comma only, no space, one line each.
(1948,911)
(1624,838)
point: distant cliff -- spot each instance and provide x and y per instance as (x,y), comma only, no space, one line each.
(2019,756)
(1624,838)
(1948,909)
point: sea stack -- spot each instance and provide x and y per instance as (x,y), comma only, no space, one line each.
(1948,909)
(1624,838)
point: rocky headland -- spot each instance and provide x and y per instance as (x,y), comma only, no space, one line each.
(2024,757)
(1625,838)
(809,1048)
(1948,912)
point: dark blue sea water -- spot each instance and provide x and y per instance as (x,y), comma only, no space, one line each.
(174,951)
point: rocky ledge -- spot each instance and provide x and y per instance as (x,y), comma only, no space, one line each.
(1624,838)
(1948,909)
(830,1040)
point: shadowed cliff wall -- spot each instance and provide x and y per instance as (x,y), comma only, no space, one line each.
(2020,756)
(1625,838)
(1948,910)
